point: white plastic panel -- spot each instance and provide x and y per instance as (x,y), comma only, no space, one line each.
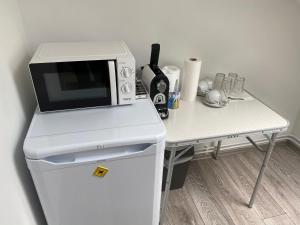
(72,159)
(77,51)
(127,64)
(141,113)
(87,129)
(112,79)
(129,194)
(44,146)
(147,77)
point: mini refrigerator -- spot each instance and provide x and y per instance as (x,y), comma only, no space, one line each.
(98,166)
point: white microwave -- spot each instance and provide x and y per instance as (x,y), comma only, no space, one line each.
(82,75)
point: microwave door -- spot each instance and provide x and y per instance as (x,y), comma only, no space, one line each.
(113,82)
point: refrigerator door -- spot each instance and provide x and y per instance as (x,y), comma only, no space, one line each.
(71,193)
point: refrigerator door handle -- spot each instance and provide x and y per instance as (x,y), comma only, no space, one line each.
(73,159)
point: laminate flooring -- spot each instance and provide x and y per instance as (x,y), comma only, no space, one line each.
(216,192)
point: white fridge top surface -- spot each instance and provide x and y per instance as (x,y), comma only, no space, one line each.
(86,129)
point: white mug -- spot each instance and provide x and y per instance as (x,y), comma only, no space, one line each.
(204,86)
(216,97)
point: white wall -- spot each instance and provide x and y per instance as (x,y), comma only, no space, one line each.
(259,39)
(256,38)
(17,194)
(296,130)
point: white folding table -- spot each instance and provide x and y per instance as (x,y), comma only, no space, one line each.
(193,123)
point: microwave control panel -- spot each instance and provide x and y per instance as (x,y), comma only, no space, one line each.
(126,80)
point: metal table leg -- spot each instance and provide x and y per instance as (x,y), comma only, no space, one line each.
(218,149)
(263,168)
(168,184)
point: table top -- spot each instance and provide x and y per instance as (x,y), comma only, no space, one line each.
(194,121)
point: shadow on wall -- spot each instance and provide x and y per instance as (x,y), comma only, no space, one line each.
(25,93)
(27,183)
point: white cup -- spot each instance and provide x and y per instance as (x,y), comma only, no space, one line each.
(216,97)
(210,83)
(203,87)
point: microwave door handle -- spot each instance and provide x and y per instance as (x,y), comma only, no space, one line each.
(113,82)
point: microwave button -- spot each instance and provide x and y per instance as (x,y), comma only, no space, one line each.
(126,88)
(126,72)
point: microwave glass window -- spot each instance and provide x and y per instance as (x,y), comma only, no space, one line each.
(77,81)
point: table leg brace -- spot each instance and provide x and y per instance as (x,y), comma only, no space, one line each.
(218,149)
(263,168)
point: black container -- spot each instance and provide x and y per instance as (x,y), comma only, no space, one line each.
(180,170)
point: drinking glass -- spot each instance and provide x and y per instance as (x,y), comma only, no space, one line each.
(233,76)
(238,86)
(227,85)
(218,81)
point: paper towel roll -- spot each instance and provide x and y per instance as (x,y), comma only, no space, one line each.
(173,73)
(190,79)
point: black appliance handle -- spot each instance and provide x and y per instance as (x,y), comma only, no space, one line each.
(155,48)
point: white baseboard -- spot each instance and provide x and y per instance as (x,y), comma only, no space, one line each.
(231,147)
(295,140)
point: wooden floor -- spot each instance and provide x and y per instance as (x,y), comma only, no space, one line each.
(217,191)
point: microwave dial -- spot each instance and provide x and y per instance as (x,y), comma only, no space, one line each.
(126,72)
(126,88)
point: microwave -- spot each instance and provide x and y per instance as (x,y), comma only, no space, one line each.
(76,75)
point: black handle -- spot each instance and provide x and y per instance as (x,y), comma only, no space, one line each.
(155,48)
